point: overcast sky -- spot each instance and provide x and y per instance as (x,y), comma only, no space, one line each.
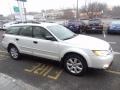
(38,5)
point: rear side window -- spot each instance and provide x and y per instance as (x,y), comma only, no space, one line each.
(26,31)
(13,30)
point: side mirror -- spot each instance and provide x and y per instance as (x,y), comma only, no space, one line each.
(50,38)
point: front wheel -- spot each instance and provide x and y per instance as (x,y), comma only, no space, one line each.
(14,53)
(75,64)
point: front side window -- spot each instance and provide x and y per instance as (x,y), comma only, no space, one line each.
(40,32)
(26,31)
(13,30)
(61,32)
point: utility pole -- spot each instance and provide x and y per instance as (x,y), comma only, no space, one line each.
(77,11)
(24,12)
(20,13)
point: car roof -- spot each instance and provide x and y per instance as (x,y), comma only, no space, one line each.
(12,22)
(115,22)
(35,24)
(94,19)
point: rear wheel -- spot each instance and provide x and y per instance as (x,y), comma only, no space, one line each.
(75,64)
(14,53)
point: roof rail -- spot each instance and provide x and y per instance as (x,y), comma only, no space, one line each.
(28,22)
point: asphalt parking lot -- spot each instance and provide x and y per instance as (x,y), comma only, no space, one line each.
(49,75)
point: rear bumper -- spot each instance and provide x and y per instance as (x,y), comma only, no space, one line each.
(94,31)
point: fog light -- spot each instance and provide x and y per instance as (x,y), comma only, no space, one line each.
(105,66)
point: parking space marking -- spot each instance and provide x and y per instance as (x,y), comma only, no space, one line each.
(114,72)
(55,77)
(45,70)
(116,53)
(33,68)
(1,51)
(3,55)
(41,69)
(104,34)
(112,42)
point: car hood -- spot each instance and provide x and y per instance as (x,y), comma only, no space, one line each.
(116,26)
(88,42)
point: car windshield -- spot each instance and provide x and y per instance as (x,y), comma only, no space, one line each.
(94,21)
(61,32)
(115,23)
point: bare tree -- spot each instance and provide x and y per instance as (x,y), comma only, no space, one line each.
(94,9)
(116,11)
(68,14)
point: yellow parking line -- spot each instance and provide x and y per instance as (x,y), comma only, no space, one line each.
(114,72)
(55,77)
(6,57)
(44,70)
(38,70)
(48,71)
(1,51)
(3,55)
(34,67)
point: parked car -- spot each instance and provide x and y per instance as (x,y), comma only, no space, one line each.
(77,26)
(7,25)
(114,27)
(52,41)
(94,25)
(1,25)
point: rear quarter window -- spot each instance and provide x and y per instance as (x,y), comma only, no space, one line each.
(13,30)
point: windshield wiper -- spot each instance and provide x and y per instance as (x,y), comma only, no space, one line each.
(70,37)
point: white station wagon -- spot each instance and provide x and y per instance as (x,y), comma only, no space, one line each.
(53,41)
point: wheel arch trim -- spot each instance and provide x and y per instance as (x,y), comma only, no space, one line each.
(79,52)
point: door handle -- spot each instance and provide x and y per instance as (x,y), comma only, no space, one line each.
(17,39)
(35,42)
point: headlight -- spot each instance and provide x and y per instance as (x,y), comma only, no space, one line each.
(101,52)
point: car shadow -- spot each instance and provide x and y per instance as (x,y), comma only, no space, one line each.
(90,72)
(35,59)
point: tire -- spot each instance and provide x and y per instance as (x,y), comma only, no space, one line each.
(14,53)
(75,64)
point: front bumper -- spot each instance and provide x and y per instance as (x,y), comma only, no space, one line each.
(113,31)
(101,62)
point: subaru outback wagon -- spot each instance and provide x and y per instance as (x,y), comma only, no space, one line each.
(52,41)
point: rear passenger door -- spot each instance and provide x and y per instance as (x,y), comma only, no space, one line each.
(10,35)
(24,39)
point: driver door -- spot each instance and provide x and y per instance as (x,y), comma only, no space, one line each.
(43,47)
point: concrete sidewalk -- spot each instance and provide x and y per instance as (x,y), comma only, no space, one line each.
(9,83)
